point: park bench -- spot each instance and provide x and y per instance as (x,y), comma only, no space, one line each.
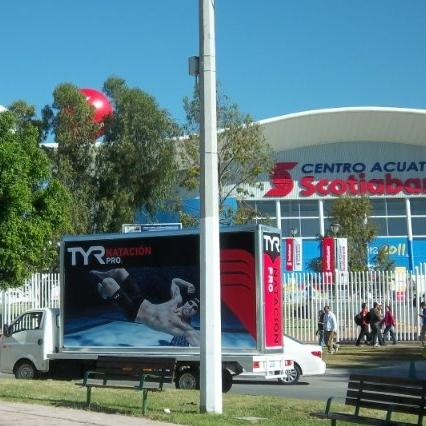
(388,394)
(116,372)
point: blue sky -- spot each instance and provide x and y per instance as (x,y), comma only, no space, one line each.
(273,56)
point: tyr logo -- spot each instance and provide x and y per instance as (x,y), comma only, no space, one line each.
(282,182)
(272,243)
(97,251)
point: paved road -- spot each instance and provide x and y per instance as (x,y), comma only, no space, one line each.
(333,383)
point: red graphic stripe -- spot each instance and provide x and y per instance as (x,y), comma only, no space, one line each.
(238,290)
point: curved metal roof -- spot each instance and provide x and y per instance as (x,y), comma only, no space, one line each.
(352,124)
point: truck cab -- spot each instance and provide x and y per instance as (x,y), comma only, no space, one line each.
(27,341)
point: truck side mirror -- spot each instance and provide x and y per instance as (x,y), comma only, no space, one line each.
(6,330)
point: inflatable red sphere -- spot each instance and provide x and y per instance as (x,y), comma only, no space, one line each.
(100,102)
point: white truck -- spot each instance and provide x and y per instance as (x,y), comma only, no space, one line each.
(137,294)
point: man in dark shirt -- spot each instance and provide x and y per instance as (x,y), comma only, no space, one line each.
(365,327)
(376,318)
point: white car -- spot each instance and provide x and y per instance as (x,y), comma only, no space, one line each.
(307,360)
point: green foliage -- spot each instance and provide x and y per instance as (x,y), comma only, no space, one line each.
(187,220)
(25,116)
(136,166)
(352,213)
(243,154)
(244,214)
(382,261)
(33,205)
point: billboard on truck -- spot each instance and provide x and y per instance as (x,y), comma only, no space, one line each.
(140,291)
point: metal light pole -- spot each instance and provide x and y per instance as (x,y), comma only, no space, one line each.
(211,342)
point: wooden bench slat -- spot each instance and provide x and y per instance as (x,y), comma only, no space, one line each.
(386,388)
(409,409)
(99,385)
(129,373)
(138,361)
(387,379)
(139,367)
(384,397)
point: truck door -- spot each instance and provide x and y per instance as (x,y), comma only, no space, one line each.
(24,341)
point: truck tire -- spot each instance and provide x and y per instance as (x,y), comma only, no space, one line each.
(226,380)
(293,377)
(188,379)
(25,370)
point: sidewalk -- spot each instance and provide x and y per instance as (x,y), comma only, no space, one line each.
(17,413)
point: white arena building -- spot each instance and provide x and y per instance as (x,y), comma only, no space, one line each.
(372,151)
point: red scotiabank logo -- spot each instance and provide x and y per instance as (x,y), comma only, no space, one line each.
(281,180)
(352,184)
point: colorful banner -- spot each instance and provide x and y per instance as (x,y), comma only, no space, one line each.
(297,255)
(289,254)
(272,292)
(327,250)
(342,254)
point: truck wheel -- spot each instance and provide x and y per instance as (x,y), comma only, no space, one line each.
(293,377)
(25,370)
(188,379)
(226,380)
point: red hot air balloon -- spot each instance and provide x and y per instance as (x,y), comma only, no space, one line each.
(100,102)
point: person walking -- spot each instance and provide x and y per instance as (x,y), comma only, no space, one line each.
(330,330)
(376,319)
(364,324)
(390,324)
(423,317)
(320,328)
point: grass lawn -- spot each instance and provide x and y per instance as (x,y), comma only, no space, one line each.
(183,405)
(350,356)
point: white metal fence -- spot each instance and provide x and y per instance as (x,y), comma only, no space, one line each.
(305,294)
(41,290)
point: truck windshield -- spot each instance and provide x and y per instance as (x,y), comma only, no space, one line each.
(28,321)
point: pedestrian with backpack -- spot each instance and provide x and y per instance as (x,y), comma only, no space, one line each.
(389,322)
(362,319)
(376,319)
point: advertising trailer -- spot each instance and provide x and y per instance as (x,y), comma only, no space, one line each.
(139,294)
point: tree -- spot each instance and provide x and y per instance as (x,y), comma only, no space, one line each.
(243,154)
(136,166)
(133,168)
(33,205)
(70,120)
(351,214)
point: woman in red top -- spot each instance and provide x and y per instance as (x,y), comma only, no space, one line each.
(389,323)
